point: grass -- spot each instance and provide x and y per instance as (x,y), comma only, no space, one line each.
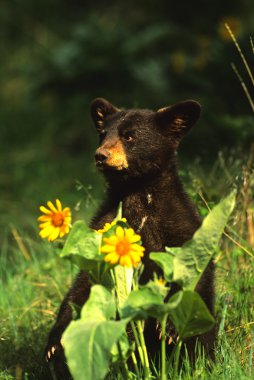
(32,289)
(34,281)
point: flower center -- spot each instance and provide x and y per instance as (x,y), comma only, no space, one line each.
(123,247)
(57,219)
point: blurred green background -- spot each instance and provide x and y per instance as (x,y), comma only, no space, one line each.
(57,55)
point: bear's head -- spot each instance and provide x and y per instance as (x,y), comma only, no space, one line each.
(139,143)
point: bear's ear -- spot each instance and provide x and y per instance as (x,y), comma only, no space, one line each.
(100,108)
(179,118)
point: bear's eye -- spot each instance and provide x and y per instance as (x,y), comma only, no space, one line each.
(128,136)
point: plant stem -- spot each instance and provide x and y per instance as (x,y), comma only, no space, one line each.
(135,333)
(143,345)
(124,365)
(135,363)
(115,280)
(177,356)
(140,341)
(163,348)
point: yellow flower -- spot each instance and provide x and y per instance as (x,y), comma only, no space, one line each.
(160,281)
(107,226)
(122,248)
(56,221)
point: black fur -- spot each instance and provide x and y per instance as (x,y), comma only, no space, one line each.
(153,198)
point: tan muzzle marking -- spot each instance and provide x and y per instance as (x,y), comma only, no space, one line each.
(117,158)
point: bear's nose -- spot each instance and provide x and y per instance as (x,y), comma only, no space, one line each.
(101,155)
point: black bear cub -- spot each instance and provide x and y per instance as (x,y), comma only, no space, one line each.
(137,155)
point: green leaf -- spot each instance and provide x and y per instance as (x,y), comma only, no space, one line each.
(100,305)
(190,316)
(157,287)
(141,304)
(147,302)
(119,213)
(89,341)
(123,282)
(82,246)
(192,258)
(165,261)
(126,347)
(87,346)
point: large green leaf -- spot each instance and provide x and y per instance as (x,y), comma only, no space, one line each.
(100,305)
(190,316)
(165,261)
(126,348)
(192,258)
(82,246)
(88,342)
(146,302)
(87,346)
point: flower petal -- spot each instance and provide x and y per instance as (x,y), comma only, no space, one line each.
(119,232)
(44,218)
(45,210)
(46,231)
(137,248)
(62,232)
(112,258)
(112,240)
(67,220)
(66,229)
(135,238)
(108,248)
(52,207)
(129,232)
(67,211)
(125,261)
(54,234)
(136,256)
(45,224)
(58,205)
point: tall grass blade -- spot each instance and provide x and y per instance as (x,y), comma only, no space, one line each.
(245,89)
(240,52)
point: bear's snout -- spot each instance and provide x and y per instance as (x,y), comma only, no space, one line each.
(101,154)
